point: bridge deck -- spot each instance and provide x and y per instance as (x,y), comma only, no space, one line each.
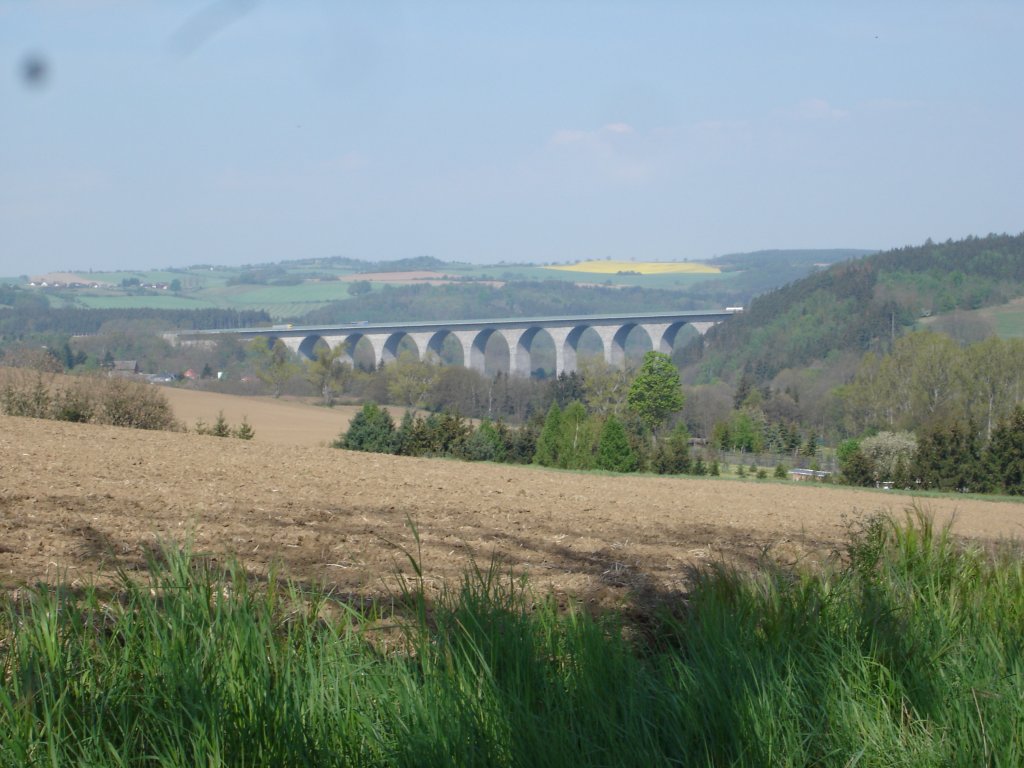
(501,322)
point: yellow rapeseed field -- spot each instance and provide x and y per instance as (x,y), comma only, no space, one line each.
(640,267)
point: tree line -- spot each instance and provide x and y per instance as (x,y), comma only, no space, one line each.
(513,299)
(945,456)
(936,414)
(34,315)
(569,437)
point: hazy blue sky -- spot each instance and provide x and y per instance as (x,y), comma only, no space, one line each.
(174,133)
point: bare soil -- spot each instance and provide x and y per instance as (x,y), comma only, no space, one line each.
(282,421)
(81,501)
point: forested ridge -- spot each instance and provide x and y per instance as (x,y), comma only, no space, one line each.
(36,317)
(514,299)
(861,305)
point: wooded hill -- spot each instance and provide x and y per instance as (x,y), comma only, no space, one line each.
(860,305)
(532,298)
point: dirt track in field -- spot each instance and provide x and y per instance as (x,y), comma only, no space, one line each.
(83,500)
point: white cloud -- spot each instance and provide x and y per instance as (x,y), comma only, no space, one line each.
(602,150)
(816,109)
(567,136)
(597,139)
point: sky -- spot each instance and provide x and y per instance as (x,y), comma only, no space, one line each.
(149,134)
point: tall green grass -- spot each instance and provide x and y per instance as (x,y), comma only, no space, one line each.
(907,651)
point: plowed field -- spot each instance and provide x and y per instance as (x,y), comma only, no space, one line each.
(81,501)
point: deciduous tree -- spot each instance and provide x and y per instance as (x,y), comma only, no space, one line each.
(328,371)
(656,392)
(411,380)
(273,363)
(578,442)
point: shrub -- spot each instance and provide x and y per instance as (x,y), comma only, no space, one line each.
(99,400)
(26,396)
(887,450)
(74,403)
(130,404)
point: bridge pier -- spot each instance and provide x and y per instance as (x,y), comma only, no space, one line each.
(473,349)
(520,354)
(565,352)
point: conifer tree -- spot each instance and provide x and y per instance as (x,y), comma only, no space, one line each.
(947,458)
(403,442)
(370,430)
(220,427)
(244,431)
(484,444)
(1005,455)
(549,442)
(672,456)
(614,452)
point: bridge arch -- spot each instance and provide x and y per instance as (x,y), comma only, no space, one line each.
(310,344)
(478,350)
(522,358)
(393,344)
(291,344)
(474,347)
(439,344)
(620,339)
(667,338)
(570,349)
(360,351)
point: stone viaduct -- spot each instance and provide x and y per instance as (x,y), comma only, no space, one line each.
(519,333)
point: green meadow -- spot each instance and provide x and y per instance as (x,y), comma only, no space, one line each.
(905,651)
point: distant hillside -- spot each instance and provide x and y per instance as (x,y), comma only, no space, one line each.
(342,288)
(475,300)
(861,304)
(802,258)
(743,276)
